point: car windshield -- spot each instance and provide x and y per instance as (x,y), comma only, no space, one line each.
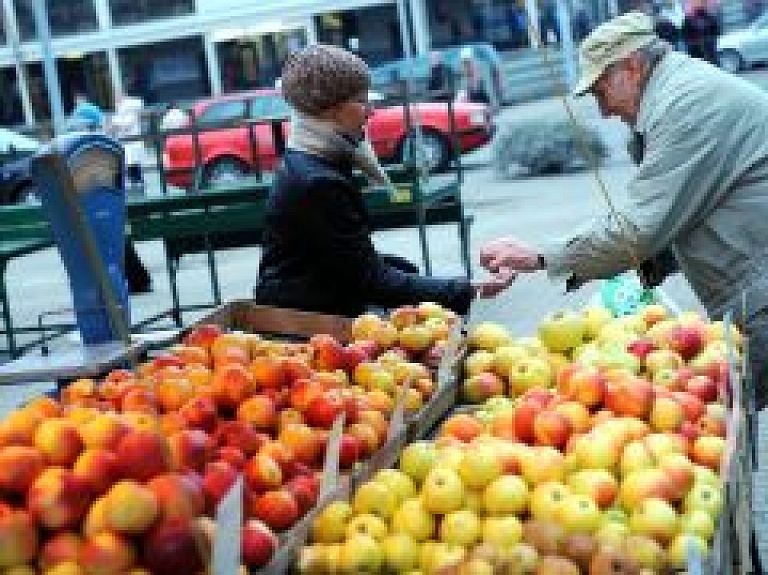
(269,106)
(15,142)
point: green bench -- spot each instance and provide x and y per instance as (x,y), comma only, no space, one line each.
(211,220)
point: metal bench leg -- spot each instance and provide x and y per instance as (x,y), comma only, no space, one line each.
(172,270)
(424,243)
(7,319)
(465,225)
(212,271)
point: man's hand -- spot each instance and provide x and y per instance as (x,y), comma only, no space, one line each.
(494,285)
(511,254)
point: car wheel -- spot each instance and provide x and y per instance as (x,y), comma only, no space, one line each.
(224,171)
(730,61)
(433,152)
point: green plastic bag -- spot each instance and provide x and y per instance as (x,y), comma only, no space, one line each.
(625,295)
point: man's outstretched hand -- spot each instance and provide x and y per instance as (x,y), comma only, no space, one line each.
(510,254)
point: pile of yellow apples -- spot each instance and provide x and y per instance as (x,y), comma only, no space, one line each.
(123,475)
(597,449)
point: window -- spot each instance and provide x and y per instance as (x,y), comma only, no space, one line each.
(500,22)
(87,74)
(165,71)
(221,112)
(3,38)
(269,107)
(372,33)
(11,110)
(133,11)
(65,17)
(257,61)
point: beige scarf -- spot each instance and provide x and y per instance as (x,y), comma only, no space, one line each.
(322,138)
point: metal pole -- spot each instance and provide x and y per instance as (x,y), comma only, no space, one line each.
(49,65)
(566,40)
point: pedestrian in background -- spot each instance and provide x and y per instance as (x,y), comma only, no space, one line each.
(472,87)
(441,82)
(86,116)
(700,189)
(126,123)
(701,27)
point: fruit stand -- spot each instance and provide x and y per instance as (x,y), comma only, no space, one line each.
(404,443)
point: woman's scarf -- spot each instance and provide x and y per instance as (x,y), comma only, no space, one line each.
(323,139)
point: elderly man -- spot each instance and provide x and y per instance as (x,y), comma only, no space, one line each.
(700,189)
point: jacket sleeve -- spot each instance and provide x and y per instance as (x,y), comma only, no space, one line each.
(682,177)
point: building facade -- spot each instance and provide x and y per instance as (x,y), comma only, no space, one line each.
(180,50)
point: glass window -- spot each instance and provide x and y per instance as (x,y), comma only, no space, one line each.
(256,62)
(165,71)
(11,109)
(372,33)
(132,11)
(503,23)
(223,112)
(65,17)
(3,37)
(271,106)
(38,96)
(86,74)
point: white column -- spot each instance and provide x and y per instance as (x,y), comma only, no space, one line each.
(113,63)
(566,41)
(420,26)
(103,14)
(531,7)
(213,64)
(12,32)
(405,34)
(310,29)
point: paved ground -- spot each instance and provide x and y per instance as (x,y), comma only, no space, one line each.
(533,208)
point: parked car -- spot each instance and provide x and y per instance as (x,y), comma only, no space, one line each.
(15,151)
(744,48)
(491,65)
(227,154)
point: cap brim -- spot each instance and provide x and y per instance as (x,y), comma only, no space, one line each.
(585,83)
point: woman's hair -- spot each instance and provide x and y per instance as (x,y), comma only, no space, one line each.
(322,76)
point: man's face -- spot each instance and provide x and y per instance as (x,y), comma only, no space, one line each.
(618,90)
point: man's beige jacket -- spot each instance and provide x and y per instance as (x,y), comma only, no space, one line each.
(701,189)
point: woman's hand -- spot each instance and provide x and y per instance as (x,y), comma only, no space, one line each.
(493,286)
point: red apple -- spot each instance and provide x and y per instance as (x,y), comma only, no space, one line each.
(551,428)
(278,509)
(239,434)
(693,407)
(632,396)
(19,467)
(708,451)
(306,489)
(349,451)
(178,495)
(586,386)
(218,479)
(328,353)
(259,543)
(262,473)
(232,455)
(200,413)
(173,546)
(481,386)
(324,410)
(191,449)
(142,454)
(703,387)
(524,416)
(58,499)
(711,424)
(687,340)
(18,537)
